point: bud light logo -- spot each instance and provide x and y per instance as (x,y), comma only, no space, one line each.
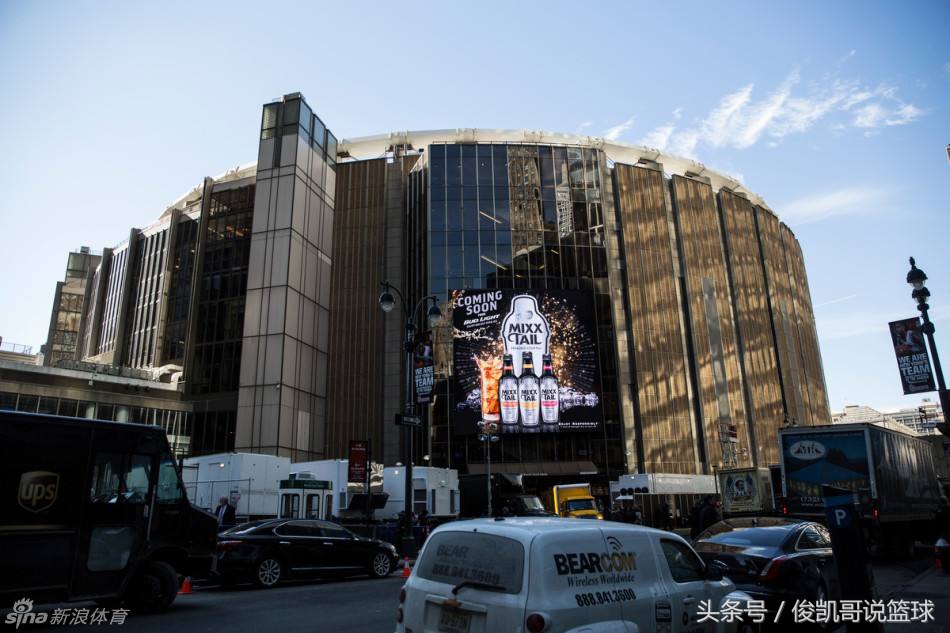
(807,449)
(38,490)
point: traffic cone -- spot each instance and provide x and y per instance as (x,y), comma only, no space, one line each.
(185,587)
(406,572)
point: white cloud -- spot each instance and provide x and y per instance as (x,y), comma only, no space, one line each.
(876,115)
(678,112)
(946,68)
(740,120)
(849,201)
(616,131)
(583,126)
(659,137)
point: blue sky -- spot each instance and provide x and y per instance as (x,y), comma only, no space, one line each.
(835,113)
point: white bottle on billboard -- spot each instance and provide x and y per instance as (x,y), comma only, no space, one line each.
(529,393)
(525,330)
(508,392)
(550,402)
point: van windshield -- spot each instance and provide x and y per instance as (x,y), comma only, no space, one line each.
(457,557)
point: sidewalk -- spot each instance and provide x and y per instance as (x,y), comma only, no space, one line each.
(932,585)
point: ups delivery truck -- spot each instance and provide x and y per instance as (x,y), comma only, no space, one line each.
(93,510)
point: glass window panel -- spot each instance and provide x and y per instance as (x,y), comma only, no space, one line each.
(472,260)
(547,172)
(453,216)
(437,215)
(437,170)
(575,164)
(599,262)
(27,403)
(552,262)
(580,218)
(468,165)
(437,261)
(502,213)
(453,262)
(550,215)
(66,407)
(470,214)
(486,196)
(583,262)
(453,169)
(484,161)
(486,221)
(437,238)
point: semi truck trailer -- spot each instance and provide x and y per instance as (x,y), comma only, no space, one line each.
(889,468)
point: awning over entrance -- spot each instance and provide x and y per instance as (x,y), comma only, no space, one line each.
(537,468)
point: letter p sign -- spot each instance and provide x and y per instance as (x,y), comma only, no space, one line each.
(842,518)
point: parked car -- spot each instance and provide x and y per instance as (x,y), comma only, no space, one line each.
(558,575)
(773,559)
(271,551)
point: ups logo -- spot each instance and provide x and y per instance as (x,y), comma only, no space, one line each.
(38,490)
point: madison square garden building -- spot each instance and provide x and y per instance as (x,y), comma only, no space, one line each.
(664,307)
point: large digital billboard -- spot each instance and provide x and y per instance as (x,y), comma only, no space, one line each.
(525,361)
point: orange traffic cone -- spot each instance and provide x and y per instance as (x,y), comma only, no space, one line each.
(185,587)
(406,572)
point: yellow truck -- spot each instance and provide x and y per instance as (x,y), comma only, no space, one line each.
(574,501)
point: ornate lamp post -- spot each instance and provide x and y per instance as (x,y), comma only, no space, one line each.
(387,302)
(916,278)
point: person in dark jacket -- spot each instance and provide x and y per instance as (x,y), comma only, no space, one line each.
(711,513)
(225,513)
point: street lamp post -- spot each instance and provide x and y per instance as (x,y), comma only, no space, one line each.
(916,278)
(487,435)
(433,314)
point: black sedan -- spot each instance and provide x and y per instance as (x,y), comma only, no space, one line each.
(773,559)
(268,552)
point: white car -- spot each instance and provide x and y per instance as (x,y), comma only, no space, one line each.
(547,575)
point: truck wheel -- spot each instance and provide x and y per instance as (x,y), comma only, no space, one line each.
(154,588)
(381,566)
(268,572)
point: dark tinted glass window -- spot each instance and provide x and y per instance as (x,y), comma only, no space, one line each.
(758,537)
(684,564)
(329,530)
(811,538)
(299,528)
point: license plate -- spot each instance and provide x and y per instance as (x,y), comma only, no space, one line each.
(454,621)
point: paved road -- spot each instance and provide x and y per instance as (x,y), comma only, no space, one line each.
(333,606)
(369,606)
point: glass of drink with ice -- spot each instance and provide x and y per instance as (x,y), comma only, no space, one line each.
(489,371)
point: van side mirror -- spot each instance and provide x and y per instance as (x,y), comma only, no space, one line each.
(716,570)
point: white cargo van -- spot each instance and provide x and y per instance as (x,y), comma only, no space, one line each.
(561,575)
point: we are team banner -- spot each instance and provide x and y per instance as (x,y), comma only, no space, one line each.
(912,358)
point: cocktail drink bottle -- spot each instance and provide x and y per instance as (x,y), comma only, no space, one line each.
(550,404)
(508,392)
(528,392)
(525,329)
